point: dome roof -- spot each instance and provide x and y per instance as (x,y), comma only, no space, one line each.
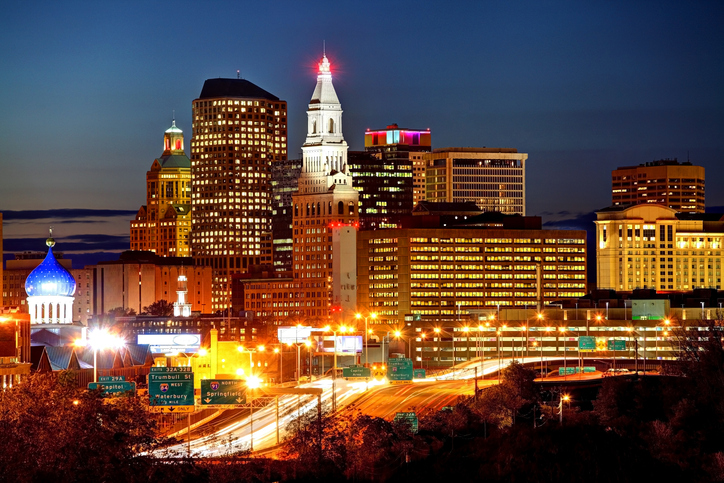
(174,128)
(50,277)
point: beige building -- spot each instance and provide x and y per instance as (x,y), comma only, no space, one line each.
(653,246)
(448,273)
(666,182)
(493,178)
(239,130)
(163,224)
(139,279)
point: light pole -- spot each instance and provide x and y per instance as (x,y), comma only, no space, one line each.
(372,316)
(500,361)
(566,398)
(423,336)
(100,339)
(562,330)
(342,329)
(252,382)
(466,329)
(398,336)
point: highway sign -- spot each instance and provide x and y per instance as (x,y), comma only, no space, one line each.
(562,371)
(171,390)
(408,418)
(356,372)
(113,387)
(586,343)
(223,391)
(399,370)
(164,369)
(616,345)
(418,373)
(111,378)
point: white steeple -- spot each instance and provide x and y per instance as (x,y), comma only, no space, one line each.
(325,150)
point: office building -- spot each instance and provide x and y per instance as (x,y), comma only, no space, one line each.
(285,178)
(163,224)
(138,279)
(667,182)
(387,173)
(493,178)
(448,272)
(654,246)
(239,131)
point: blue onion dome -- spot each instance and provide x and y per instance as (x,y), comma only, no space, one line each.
(50,277)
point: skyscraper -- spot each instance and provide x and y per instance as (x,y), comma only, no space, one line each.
(388,175)
(285,179)
(163,224)
(239,130)
(494,178)
(665,182)
(326,202)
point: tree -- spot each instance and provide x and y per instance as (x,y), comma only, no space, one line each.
(160,308)
(122,312)
(50,430)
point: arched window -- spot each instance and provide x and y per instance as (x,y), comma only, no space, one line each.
(314,127)
(331,125)
(319,209)
(178,144)
(314,211)
(329,208)
(296,210)
(351,208)
(307,209)
(340,208)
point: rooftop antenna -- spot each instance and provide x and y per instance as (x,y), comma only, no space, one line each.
(324,48)
(238,74)
(174,115)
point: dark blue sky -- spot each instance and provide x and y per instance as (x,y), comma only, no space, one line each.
(87,88)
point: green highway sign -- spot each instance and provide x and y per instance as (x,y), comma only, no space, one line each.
(223,391)
(418,373)
(408,418)
(111,378)
(616,345)
(399,370)
(356,372)
(164,369)
(586,343)
(562,371)
(113,387)
(171,390)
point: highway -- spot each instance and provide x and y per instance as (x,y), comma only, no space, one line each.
(231,431)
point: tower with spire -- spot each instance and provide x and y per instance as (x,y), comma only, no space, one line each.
(163,224)
(325,215)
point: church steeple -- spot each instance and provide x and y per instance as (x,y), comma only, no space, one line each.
(173,140)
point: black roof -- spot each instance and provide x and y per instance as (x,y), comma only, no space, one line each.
(234,88)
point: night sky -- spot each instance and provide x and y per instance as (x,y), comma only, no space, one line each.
(88,88)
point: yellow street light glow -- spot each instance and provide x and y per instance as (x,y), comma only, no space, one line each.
(76,402)
(203,352)
(240,372)
(566,397)
(505,326)
(373,315)
(398,333)
(437,330)
(562,329)
(260,348)
(540,316)
(276,350)
(327,328)
(240,348)
(253,382)
(79,343)
(370,331)
(667,321)
(630,329)
(359,316)
(548,329)
(466,328)
(308,343)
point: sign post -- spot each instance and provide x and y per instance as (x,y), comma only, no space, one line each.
(399,371)
(223,393)
(171,389)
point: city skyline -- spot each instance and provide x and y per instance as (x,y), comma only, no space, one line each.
(581,89)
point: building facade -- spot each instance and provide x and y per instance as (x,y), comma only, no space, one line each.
(494,178)
(654,246)
(446,273)
(285,179)
(666,182)
(386,175)
(139,279)
(163,224)
(239,131)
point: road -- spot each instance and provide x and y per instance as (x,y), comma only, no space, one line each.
(231,431)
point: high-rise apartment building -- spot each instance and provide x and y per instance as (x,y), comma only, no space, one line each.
(653,246)
(239,131)
(163,224)
(494,178)
(326,199)
(387,173)
(665,182)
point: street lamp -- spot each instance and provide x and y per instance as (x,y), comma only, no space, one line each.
(100,339)
(566,398)
(372,316)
